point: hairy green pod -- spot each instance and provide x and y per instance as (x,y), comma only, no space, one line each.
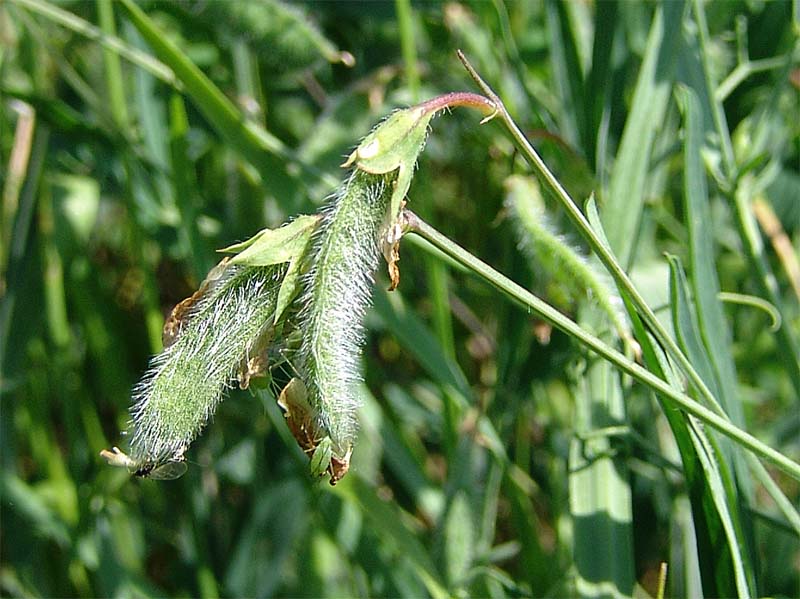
(281,32)
(224,323)
(337,292)
(356,228)
(563,263)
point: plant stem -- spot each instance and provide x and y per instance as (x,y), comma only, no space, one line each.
(597,245)
(416,225)
(406,23)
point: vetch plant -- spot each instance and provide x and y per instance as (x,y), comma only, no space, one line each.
(486,462)
(224,331)
(333,257)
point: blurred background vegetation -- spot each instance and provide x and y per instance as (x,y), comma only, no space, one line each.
(121,175)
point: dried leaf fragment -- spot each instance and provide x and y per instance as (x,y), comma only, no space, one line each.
(181,312)
(299,416)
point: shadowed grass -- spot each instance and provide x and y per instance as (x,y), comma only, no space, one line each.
(496,455)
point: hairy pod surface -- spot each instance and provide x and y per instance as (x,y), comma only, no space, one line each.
(186,381)
(337,293)
(544,245)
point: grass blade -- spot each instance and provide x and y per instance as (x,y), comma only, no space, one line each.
(597,88)
(412,333)
(722,490)
(599,491)
(388,522)
(185,188)
(624,199)
(103,37)
(260,147)
(567,71)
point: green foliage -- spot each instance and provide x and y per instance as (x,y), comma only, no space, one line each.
(497,456)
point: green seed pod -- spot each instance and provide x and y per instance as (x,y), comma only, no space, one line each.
(357,227)
(564,264)
(210,337)
(222,334)
(337,292)
(280,32)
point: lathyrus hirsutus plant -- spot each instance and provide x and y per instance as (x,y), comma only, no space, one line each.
(218,337)
(223,331)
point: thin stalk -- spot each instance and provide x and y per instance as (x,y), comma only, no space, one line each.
(416,225)
(781,501)
(405,22)
(602,251)
(605,255)
(435,271)
(20,232)
(113,67)
(743,71)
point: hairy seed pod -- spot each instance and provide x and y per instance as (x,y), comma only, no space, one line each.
(337,293)
(210,338)
(565,264)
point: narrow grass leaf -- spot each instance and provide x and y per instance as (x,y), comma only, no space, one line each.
(766,135)
(403,453)
(599,492)
(419,341)
(713,327)
(32,508)
(185,187)
(103,37)
(256,144)
(150,114)
(710,459)
(540,568)
(686,326)
(113,66)
(624,199)
(597,87)
(567,71)
(282,512)
(489,503)
(459,539)
(722,491)
(702,562)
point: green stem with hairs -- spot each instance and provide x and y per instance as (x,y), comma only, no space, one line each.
(525,298)
(594,241)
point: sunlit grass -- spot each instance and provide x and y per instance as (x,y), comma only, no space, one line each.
(496,456)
